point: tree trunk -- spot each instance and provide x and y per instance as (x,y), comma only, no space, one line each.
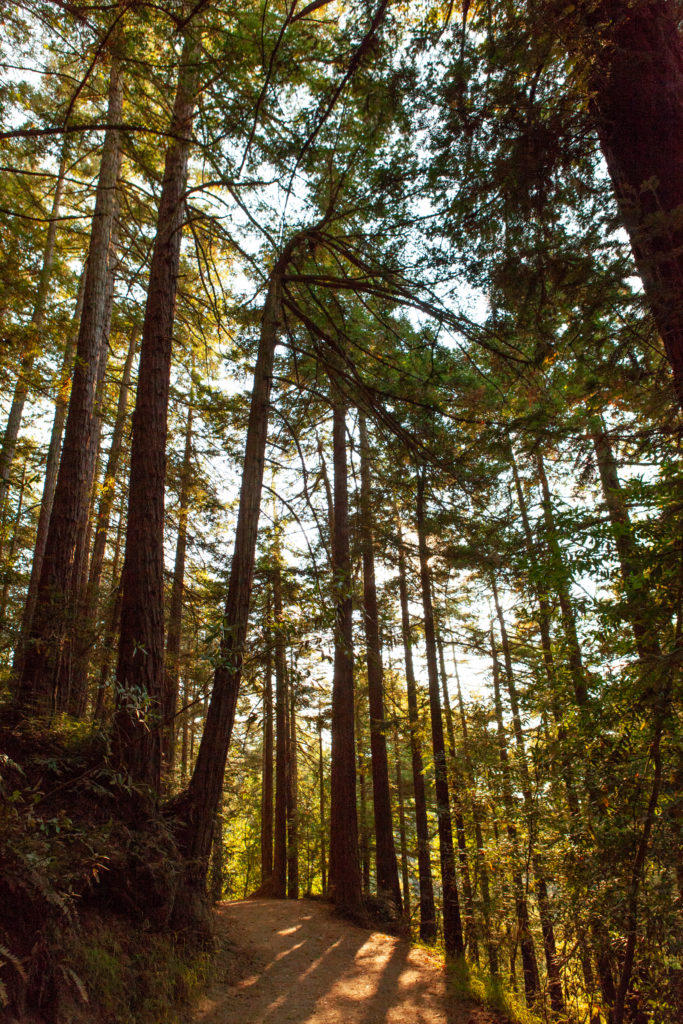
(292,798)
(543,899)
(491,943)
(452,925)
(427,910)
(281,735)
(198,808)
(36,688)
(402,831)
(175,615)
(637,102)
(12,548)
(109,640)
(363,823)
(526,942)
(32,345)
(561,585)
(140,669)
(388,886)
(267,777)
(458,782)
(51,470)
(72,685)
(321,803)
(344,872)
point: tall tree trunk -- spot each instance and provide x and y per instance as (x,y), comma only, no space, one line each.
(452,925)
(175,614)
(281,735)
(402,830)
(12,548)
(101,527)
(100,712)
(427,910)
(656,681)
(561,585)
(267,769)
(51,470)
(31,344)
(458,782)
(140,669)
(363,817)
(636,86)
(491,944)
(526,941)
(543,899)
(292,798)
(344,872)
(36,685)
(72,687)
(388,886)
(198,808)
(321,804)
(544,619)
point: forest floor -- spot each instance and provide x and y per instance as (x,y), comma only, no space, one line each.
(287,962)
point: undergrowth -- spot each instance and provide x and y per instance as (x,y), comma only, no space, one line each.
(466,982)
(86,890)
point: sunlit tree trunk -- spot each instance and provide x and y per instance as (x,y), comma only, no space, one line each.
(292,797)
(31,346)
(344,870)
(321,805)
(175,612)
(267,767)
(458,782)
(427,909)
(197,807)
(402,826)
(140,668)
(452,925)
(543,899)
(526,941)
(388,887)
(482,865)
(36,685)
(51,470)
(9,560)
(281,734)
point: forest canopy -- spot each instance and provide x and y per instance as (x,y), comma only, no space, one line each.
(341,349)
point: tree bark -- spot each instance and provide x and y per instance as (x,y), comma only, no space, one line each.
(281,734)
(452,925)
(542,897)
(637,101)
(267,777)
(175,614)
(427,909)
(344,870)
(463,859)
(197,809)
(292,798)
(31,344)
(51,470)
(388,886)
(526,942)
(58,579)
(491,944)
(140,669)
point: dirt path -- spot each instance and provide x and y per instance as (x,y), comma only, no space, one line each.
(294,963)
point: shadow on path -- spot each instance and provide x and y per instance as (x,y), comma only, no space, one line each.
(299,964)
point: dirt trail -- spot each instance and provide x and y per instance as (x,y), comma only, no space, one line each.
(292,962)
